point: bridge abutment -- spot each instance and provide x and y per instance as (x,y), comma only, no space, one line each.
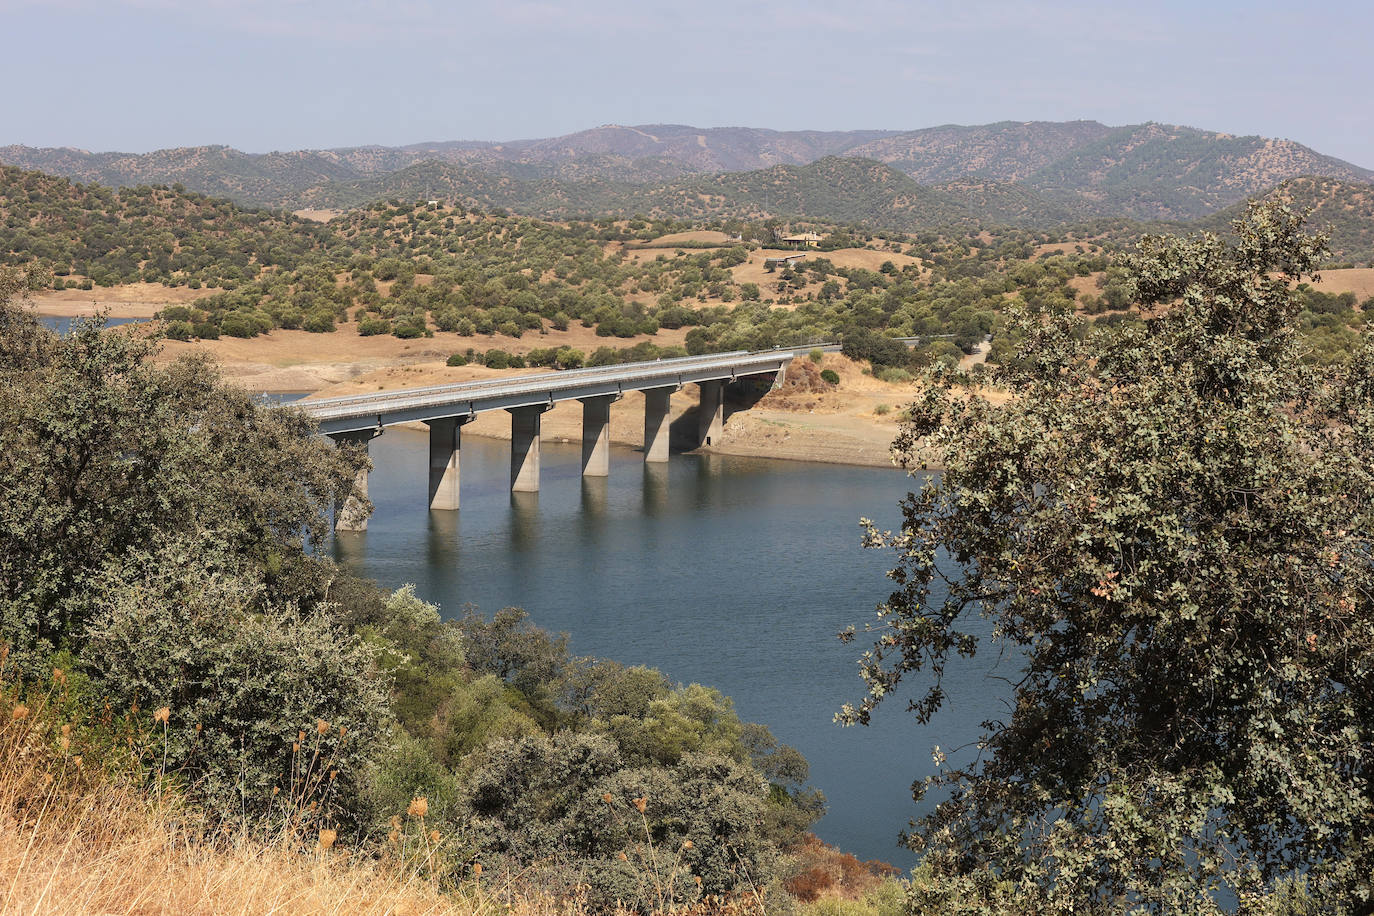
(445,454)
(596,435)
(524,447)
(350,514)
(656,423)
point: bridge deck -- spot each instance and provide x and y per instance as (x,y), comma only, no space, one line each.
(354,413)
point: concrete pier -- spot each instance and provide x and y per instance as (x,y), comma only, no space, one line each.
(350,514)
(445,451)
(712,415)
(524,448)
(596,436)
(656,423)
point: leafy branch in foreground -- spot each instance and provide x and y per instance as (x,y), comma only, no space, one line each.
(1169,525)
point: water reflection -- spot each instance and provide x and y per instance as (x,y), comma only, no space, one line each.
(524,521)
(731,572)
(594,495)
(655,488)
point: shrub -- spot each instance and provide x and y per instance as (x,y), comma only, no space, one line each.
(370,327)
(178,330)
(882,410)
(238,326)
(457,359)
(496,359)
(242,684)
(319,322)
(817,355)
(205,330)
(893,375)
(175,313)
(831,376)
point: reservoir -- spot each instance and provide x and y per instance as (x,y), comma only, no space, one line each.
(735,573)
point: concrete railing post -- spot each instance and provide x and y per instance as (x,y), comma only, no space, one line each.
(656,423)
(712,412)
(445,453)
(349,514)
(596,436)
(524,448)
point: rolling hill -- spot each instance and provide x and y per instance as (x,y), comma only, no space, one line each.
(1082,168)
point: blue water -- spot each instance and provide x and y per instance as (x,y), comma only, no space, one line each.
(63,324)
(732,572)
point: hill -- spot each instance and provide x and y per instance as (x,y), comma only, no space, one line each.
(1007,151)
(1342,209)
(1158,171)
(144,233)
(834,189)
(1022,173)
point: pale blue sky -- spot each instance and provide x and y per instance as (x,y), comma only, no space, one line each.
(137,75)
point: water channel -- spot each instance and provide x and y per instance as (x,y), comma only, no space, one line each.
(732,572)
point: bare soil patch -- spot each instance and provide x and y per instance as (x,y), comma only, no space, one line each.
(318,216)
(752,270)
(133,300)
(1357,280)
(697,236)
(301,361)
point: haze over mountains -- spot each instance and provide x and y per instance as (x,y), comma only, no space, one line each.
(1031,173)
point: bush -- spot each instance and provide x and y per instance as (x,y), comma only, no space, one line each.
(205,330)
(238,326)
(893,375)
(371,327)
(241,684)
(320,322)
(831,376)
(175,313)
(496,359)
(179,330)
(817,356)
(457,359)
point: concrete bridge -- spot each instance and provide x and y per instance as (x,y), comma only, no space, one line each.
(446,408)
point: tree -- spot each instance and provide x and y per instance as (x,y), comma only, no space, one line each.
(109,458)
(1169,522)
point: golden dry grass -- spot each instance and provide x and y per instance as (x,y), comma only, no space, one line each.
(83,831)
(1357,280)
(131,300)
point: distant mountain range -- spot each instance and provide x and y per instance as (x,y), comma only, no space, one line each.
(1031,173)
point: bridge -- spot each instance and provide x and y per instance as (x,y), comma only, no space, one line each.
(446,408)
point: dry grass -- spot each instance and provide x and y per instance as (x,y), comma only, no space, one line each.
(84,830)
(1358,280)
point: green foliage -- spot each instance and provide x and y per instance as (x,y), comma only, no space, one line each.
(1168,525)
(107,454)
(456,359)
(144,233)
(265,705)
(830,376)
(567,804)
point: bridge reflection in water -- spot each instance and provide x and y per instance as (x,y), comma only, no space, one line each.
(357,419)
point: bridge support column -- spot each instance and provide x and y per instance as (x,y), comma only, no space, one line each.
(524,448)
(712,412)
(656,424)
(349,513)
(445,451)
(596,436)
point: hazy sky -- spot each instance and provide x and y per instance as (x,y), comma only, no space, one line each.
(137,75)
